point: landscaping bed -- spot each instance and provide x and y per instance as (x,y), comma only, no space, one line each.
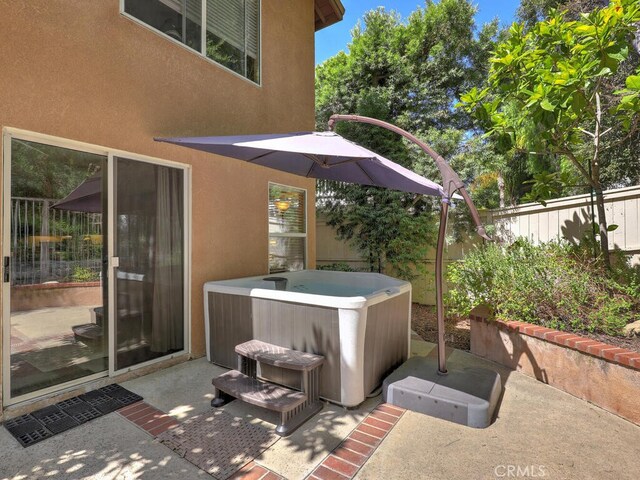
(424,323)
(458,330)
(554,285)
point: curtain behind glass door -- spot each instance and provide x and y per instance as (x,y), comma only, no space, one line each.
(149,241)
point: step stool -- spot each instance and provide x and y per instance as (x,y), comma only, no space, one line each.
(295,407)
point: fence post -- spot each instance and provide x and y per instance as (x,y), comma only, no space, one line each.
(45,262)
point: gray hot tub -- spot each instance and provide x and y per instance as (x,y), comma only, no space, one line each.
(360,322)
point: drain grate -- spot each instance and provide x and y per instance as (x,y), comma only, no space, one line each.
(27,430)
(48,421)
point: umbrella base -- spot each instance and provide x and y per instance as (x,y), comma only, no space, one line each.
(466,395)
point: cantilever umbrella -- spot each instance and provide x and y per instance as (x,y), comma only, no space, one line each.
(327,155)
(86,197)
(324,155)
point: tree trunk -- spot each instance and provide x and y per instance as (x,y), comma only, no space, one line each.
(602,223)
(501,189)
(595,180)
(372,261)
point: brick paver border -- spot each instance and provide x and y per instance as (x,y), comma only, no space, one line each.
(341,464)
(148,418)
(348,457)
(154,422)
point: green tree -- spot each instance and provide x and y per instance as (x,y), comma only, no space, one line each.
(410,74)
(531,12)
(620,167)
(556,76)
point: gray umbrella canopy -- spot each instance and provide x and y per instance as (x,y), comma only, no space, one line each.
(323,155)
(327,155)
(86,197)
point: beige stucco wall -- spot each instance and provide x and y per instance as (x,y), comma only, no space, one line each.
(82,71)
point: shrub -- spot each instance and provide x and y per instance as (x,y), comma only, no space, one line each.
(83,274)
(554,285)
(337,267)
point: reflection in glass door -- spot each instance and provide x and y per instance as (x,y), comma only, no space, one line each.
(149,244)
(55,265)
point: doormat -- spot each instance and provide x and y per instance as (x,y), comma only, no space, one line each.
(36,426)
(218,443)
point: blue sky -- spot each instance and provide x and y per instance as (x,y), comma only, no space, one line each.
(331,40)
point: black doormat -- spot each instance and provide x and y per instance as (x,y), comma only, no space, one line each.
(34,427)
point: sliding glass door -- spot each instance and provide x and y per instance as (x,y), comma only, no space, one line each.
(149,244)
(55,266)
(94,263)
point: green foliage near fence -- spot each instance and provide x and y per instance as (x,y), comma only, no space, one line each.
(555,285)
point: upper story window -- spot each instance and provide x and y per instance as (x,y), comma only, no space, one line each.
(231,37)
(287,228)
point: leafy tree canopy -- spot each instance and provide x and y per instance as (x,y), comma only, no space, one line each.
(410,74)
(49,172)
(550,93)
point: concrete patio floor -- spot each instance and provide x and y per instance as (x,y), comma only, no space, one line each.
(540,432)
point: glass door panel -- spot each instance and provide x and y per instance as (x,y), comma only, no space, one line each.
(149,244)
(56,266)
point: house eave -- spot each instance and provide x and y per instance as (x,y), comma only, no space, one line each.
(328,12)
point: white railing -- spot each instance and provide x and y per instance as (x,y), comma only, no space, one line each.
(53,245)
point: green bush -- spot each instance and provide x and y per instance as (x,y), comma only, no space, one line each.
(554,285)
(337,267)
(83,274)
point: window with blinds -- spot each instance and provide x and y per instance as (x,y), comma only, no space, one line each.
(287,228)
(231,37)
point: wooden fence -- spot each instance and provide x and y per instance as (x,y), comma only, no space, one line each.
(564,218)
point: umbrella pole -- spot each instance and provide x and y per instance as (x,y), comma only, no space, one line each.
(442,360)
(451,183)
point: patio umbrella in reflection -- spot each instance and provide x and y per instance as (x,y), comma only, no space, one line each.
(86,197)
(328,156)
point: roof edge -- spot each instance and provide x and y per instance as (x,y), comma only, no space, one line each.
(327,12)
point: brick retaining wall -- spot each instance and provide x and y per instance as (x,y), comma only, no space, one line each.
(605,375)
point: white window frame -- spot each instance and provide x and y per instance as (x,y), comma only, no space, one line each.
(290,235)
(8,134)
(203,41)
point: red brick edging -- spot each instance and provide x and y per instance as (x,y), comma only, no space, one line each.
(148,418)
(621,356)
(155,422)
(253,471)
(341,464)
(348,457)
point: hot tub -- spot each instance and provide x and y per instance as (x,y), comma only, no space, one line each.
(360,322)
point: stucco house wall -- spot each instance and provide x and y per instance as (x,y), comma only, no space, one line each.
(82,71)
